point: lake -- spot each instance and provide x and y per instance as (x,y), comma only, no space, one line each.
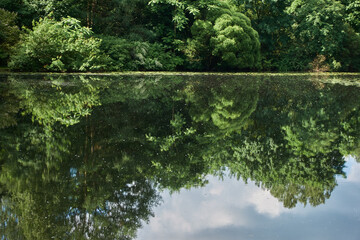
(198,156)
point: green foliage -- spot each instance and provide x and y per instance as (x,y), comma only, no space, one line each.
(224,39)
(318,29)
(235,42)
(183,10)
(350,56)
(43,8)
(352,8)
(272,22)
(57,46)
(122,18)
(167,35)
(25,15)
(134,55)
(119,52)
(9,34)
(154,56)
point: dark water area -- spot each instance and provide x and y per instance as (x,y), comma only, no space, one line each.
(180,157)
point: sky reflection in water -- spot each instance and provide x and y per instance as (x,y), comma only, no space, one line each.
(231,209)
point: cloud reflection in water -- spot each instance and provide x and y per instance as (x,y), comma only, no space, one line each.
(231,209)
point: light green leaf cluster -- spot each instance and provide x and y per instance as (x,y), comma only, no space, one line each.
(235,42)
(179,134)
(224,39)
(47,108)
(57,46)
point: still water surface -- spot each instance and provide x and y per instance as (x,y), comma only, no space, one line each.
(180,157)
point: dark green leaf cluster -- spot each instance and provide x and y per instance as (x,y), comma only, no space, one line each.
(9,34)
(135,55)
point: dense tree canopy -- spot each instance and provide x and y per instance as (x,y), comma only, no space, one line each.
(216,35)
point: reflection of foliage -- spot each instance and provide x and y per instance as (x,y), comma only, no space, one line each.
(227,105)
(32,154)
(291,193)
(177,125)
(9,106)
(53,193)
(56,194)
(89,163)
(214,114)
(53,104)
(318,139)
(297,164)
(213,127)
(82,197)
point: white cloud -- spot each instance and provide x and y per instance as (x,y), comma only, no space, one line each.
(219,204)
(265,203)
(354,174)
(352,170)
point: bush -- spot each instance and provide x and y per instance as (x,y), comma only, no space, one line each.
(154,56)
(9,34)
(235,42)
(58,46)
(119,51)
(223,40)
(135,55)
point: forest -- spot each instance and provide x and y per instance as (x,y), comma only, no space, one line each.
(180,35)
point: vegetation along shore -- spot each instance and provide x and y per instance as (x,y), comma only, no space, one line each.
(180,35)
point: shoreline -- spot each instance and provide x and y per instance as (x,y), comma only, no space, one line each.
(164,73)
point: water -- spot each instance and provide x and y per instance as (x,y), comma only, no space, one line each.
(180,157)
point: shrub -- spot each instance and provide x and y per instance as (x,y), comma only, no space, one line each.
(58,46)
(223,39)
(119,51)
(135,55)
(155,56)
(235,42)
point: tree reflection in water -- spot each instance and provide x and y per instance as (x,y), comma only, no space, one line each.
(84,157)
